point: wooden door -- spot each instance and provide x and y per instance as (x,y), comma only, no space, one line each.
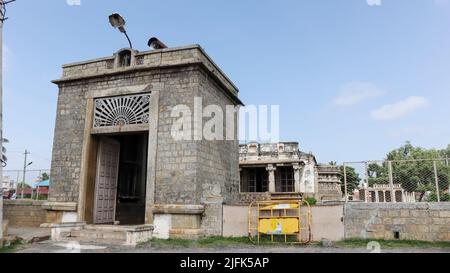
(106,181)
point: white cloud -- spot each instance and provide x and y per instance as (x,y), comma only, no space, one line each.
(442,3)
(356,92)
(399,109)
(374,2)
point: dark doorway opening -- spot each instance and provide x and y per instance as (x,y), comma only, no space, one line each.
(131,184)
(119,175)
(254,180)
(285,179)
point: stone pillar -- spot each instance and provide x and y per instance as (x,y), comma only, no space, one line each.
(271,169)
(377,197)
(384,197)
(297,185)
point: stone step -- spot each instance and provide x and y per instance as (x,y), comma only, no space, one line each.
(110,228)
(286,196)
(99,234)
(122,235)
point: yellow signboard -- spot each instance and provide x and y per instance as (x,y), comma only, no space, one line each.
(279,226)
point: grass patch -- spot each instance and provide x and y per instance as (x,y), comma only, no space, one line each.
(209,242)
(358,243)
(212,242)
(11,247)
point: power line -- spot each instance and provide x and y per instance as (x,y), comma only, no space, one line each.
(3,9)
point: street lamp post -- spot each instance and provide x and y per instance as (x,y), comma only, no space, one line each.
(25,165)
(116,20)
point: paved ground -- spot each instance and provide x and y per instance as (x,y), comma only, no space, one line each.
(29,235)
(90,247)
(37,242)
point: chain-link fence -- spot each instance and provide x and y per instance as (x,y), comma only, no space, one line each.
(34,186)
(408,181)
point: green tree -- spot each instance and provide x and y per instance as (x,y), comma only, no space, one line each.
(43,177)
(353,179)
(23,186)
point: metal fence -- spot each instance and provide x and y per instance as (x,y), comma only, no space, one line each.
(407,181)
(13,178)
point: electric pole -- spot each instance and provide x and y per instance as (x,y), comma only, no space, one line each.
(25,165)
(3,17)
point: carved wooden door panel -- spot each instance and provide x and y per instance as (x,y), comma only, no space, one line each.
(106,181)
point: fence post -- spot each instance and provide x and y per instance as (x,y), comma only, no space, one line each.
(366,165)
(345,183)
(391,182)
(436,179)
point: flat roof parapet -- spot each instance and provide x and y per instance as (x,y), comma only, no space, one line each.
(153,59)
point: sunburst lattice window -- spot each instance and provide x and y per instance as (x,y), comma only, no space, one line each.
(123,110)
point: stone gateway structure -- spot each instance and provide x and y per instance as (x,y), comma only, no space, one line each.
(114,158)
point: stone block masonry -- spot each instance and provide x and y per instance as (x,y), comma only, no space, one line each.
(404,221)
(24,213)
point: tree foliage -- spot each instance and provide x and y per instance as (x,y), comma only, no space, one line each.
(44,177)
(23,186)
(353,179)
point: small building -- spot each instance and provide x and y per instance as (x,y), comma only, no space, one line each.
(281,170)
(41,189)
(115,160)
(382,193)
(8,184)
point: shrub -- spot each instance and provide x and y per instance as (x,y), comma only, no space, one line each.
(311,201)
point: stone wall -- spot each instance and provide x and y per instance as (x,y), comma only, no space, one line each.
(176,160)
(1,219)
(410,221)
(24,213)
(67,142)
(245,198)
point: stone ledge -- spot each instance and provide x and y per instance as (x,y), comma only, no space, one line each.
(375,206)
(140,228)
(186,234)
(60,206)
(22,203)
(178,209)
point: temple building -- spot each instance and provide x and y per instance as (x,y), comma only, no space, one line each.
(282,171)
(115,161)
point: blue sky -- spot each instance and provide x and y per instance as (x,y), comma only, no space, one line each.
(353,80)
